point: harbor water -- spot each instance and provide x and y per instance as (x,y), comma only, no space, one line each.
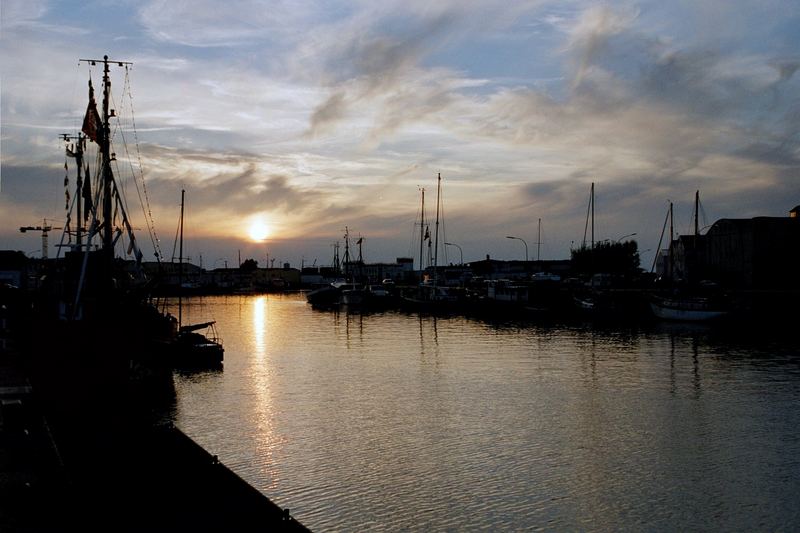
(393,421)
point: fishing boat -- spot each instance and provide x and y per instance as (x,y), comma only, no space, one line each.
(91,331)
(191,349)
(346,290)
(95,295)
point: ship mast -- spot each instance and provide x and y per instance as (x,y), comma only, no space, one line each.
(78,155)
(104,142)
(180,266)
(422,233)
(436,230)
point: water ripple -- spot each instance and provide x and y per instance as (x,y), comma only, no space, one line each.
(392,422)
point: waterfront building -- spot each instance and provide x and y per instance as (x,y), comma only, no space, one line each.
(754,253)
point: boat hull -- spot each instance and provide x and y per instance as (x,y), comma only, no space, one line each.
(686,310)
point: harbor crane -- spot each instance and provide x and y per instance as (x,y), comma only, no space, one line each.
(44,228)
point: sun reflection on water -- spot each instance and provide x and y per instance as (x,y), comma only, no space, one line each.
(268,440)
(259,327)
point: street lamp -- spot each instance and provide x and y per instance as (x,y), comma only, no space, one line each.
(625,236)
(523,242)
(459,250)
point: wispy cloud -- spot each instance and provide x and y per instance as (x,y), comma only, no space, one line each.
(203,23)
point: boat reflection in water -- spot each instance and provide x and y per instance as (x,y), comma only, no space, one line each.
(396,421)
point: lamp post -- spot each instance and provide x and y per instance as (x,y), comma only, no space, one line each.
(460,251)
(526,247)
(625,236)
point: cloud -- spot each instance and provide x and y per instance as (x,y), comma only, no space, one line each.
(21,13)
(378,70)
(589,37)
(200,23)
(325,116)
(371,68)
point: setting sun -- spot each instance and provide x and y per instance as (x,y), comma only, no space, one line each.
(258,231)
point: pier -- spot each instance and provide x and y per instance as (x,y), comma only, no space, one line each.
(76,457)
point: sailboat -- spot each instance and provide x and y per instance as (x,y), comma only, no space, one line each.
(190,348)
(430,295)
(587,300)
(688,304)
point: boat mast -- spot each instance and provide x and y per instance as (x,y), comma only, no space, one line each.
(592,202)
(539,242)
(589,216)
(696,209)
(108,178)
(180,265)
(436,229)
(79,191)
(346,261)
(671,235)
(106,158)
(422,233)
(78,155)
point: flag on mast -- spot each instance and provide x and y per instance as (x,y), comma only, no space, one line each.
(92,123)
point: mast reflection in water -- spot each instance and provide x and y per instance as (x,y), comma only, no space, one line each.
(390,421)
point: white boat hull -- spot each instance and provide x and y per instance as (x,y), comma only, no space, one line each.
(687,312)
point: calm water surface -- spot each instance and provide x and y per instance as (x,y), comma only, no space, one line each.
(388,422)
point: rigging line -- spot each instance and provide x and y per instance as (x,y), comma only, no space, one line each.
(586,225)
(121,208)
(660,239)
(175,242)
(133,172)
(65,230)
(121,192)
(703,213)
(119,189)
(149,220)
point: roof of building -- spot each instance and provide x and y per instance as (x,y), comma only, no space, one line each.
(758,224)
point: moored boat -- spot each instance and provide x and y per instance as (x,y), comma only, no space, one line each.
(192,349)
(687,308)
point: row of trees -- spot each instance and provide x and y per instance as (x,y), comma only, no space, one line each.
(608,257)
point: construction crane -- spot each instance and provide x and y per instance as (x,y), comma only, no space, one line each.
(44,228)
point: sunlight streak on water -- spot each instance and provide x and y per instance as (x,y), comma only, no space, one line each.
(389,421)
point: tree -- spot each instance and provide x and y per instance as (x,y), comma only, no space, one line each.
(607,257)
(248,265)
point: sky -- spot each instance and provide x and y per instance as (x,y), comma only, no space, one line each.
(307,117)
